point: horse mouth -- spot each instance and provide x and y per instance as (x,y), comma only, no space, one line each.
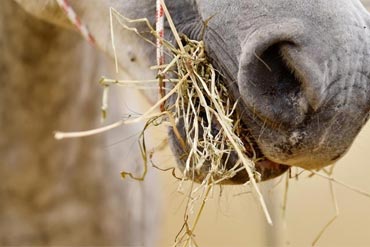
(264,168)
(228,167)
(233,171)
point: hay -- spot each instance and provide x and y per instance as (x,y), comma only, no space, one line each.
(199,100)
(197,97)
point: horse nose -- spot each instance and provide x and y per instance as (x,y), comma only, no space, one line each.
(273,81)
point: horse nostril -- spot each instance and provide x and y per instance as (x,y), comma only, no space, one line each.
(276,91)
(274,77)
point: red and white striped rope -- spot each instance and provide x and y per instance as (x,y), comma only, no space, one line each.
(160,31)
(76,21)
(160,54)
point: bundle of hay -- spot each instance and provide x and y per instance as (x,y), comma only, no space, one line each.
(202,116)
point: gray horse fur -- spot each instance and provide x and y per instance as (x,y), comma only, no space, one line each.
(299,67)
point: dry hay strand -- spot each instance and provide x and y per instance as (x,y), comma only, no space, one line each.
(324,173)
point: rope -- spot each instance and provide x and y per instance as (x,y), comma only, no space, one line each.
(160,54)
(76,21)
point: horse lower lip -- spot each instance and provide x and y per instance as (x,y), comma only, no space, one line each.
(266,168)
(269,169)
